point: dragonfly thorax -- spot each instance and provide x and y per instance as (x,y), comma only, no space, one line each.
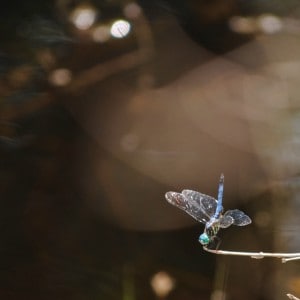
(211,229)
(213,224)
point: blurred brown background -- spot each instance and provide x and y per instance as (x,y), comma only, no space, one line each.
(107,105)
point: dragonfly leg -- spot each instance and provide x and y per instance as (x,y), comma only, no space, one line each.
(214,243)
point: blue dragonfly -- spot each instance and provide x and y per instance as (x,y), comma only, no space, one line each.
(208,211)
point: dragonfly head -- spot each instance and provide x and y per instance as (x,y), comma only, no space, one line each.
(204,239)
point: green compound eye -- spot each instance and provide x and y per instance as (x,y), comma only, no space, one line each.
(204,239)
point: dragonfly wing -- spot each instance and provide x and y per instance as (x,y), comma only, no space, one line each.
(239,217)
(226,221)
(205,206)
(182,202)
(178,200)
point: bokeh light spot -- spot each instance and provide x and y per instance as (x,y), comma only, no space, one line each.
(83,17)
(242,25)
(162,284)
(269,24)
(60,77)
(218,295)
(132,10)
(120,29)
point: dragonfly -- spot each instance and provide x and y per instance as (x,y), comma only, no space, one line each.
(209,211)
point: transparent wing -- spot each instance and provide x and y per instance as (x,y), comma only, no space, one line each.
(191,204)
(226,221)
(180,201)
(203,206)
(239,218)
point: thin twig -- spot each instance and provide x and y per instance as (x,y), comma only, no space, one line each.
(292,297)
(285,257)
(291,258)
